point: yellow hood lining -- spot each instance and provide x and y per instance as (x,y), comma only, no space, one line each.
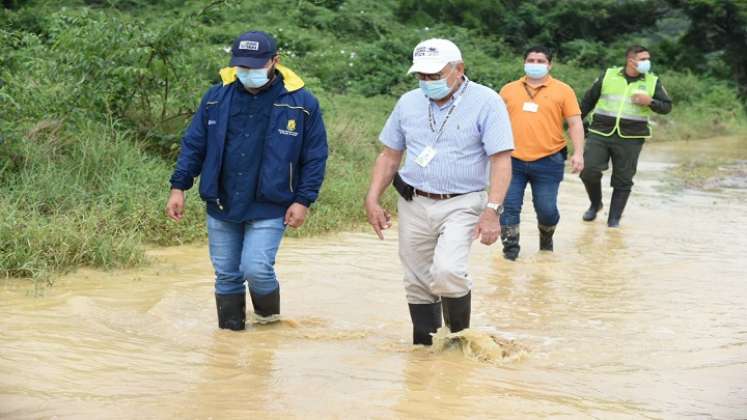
(290,79)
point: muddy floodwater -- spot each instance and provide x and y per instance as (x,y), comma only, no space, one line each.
(646,321)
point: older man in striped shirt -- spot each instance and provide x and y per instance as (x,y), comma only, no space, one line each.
(458,140)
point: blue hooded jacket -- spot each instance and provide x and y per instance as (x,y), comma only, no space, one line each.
(295,150)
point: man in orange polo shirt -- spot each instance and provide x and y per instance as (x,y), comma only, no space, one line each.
(538,105)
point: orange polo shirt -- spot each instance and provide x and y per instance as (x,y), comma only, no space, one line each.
(539,134)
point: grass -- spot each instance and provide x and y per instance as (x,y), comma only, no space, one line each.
(84,131)
(83,195)
(89,195)
(353,146)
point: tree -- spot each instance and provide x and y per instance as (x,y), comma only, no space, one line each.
(718,30)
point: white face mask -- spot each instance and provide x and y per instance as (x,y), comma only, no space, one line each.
(252,78)
(436,89)
(643,66)
(536,70)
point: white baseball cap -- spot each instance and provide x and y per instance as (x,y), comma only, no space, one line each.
(431,55)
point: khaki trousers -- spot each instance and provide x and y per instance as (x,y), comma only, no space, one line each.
(435,237)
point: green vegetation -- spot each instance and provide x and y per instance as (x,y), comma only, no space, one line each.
(94,96)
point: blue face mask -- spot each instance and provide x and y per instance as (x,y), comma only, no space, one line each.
(535,70)
(435,89)
(643,66)
(252,78)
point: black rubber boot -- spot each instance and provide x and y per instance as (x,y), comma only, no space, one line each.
(510,240)
(617,205)
(457,312)
(594,191)
(426,319)
(266,305)
(546,233)
(231,311)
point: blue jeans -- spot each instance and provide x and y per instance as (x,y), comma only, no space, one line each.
(245,252)
(544,175)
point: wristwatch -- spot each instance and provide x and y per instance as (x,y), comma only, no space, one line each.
(498,207)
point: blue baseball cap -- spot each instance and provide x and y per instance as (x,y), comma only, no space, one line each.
(253,49)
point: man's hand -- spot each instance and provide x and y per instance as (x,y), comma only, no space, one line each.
(641,99)
(379,218)
(296,215)
(175,205)
(577,162)
(488,228)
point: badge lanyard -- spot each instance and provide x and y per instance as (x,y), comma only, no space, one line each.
(531,97)
(425,157)
(432,119)
(531,106)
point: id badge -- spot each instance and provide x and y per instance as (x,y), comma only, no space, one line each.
(530,107)
(425,157)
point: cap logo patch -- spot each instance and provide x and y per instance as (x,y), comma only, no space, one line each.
(249,45)
(426,52)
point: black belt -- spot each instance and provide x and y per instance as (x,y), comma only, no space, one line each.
(435,196)
(407,191)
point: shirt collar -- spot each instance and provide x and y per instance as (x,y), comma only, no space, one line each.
(547,81)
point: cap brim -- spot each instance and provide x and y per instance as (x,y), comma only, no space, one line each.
(427,67)
(251,62)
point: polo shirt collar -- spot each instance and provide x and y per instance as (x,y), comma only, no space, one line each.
(547,81)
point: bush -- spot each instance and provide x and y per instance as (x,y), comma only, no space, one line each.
(94,97)
(83,194)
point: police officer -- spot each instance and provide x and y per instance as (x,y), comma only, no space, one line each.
(259,144)
(621,101)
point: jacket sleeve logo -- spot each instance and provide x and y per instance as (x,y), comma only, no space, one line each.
(291,125)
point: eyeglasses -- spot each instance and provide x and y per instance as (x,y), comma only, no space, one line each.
(433,76)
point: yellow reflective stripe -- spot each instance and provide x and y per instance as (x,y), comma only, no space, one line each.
(632,117)
(601,133)
(612,97)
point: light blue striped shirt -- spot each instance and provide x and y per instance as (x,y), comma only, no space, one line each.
(477,128)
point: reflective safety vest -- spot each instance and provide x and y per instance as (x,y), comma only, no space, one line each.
(616,102)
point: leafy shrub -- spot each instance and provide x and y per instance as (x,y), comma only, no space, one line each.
(94,97)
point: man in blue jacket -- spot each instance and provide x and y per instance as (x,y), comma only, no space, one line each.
(259,144)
